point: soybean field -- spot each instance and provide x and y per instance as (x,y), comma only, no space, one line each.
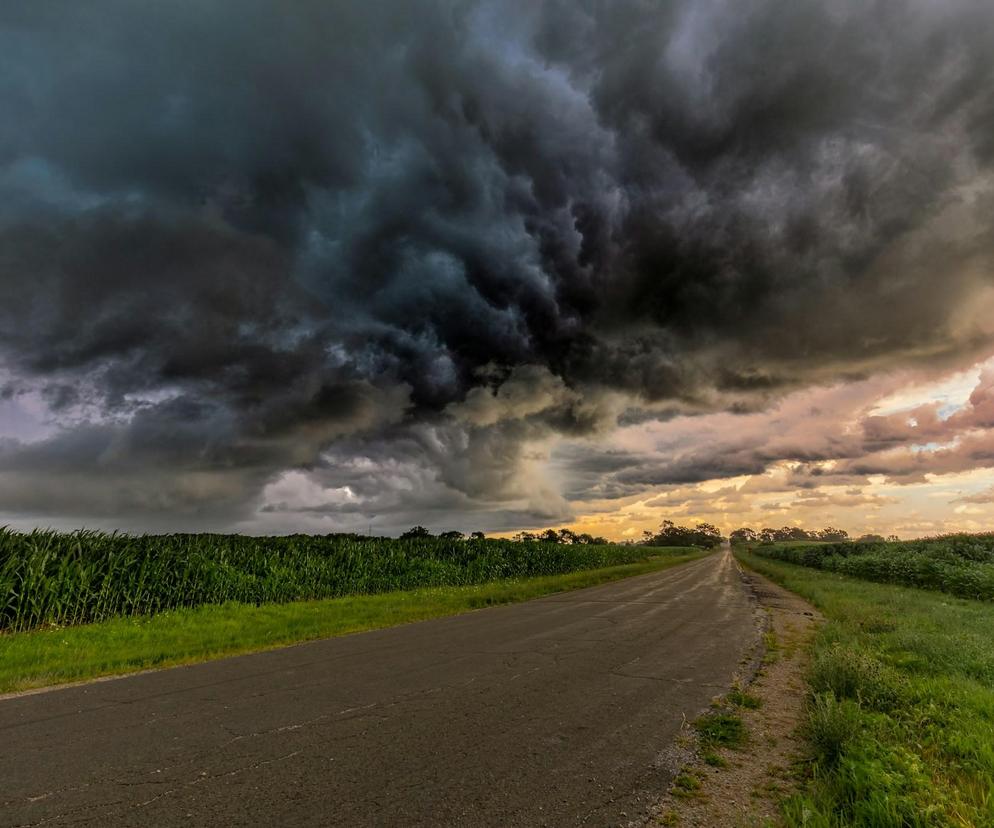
(961,564)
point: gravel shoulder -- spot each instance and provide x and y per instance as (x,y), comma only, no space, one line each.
(741,787)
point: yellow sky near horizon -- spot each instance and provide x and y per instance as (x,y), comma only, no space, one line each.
(958,495)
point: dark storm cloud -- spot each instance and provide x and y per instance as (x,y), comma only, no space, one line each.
(236,235)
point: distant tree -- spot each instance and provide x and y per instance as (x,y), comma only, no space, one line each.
(893,538)
(870,538)
(564,536)
(743,535)
(787,533)
(704,535)
(416,532)
(452,535)
(478,536)
(707,535)
(795,533)
(669,534)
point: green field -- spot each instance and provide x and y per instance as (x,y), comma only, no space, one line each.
(53,578)
(901,719)
(56,654)
(961,564)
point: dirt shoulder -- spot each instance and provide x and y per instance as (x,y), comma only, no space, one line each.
(737,777)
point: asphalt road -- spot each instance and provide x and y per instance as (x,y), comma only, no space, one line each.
(558,711)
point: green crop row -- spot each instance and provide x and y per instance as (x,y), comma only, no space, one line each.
(961,565)
(54,578)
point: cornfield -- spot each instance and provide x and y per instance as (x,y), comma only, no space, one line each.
(962,565)
(56,578)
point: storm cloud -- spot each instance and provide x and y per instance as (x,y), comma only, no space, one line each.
(398,250)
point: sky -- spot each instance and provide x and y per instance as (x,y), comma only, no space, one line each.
(338,266)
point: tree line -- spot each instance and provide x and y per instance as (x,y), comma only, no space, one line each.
(704,535)
(795,533)
(564,536)
(708,536)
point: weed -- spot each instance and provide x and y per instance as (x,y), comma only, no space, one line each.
(771,646)
(686,785)
(720,728)
(740,698)
(831,725)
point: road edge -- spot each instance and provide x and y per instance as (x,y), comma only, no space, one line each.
(727,779)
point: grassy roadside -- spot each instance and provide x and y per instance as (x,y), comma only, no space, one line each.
(901,721)
(124,645)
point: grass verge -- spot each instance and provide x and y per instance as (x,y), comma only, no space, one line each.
(901,719)
(123,645)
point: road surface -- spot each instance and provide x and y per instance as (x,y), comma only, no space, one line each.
(553,712)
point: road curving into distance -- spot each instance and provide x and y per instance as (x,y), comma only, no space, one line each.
(556,712)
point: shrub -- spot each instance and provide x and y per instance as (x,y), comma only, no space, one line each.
(851,674)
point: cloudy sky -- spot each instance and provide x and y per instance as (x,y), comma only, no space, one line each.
(497,265)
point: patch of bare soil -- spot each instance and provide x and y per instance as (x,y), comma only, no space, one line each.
(741,786)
